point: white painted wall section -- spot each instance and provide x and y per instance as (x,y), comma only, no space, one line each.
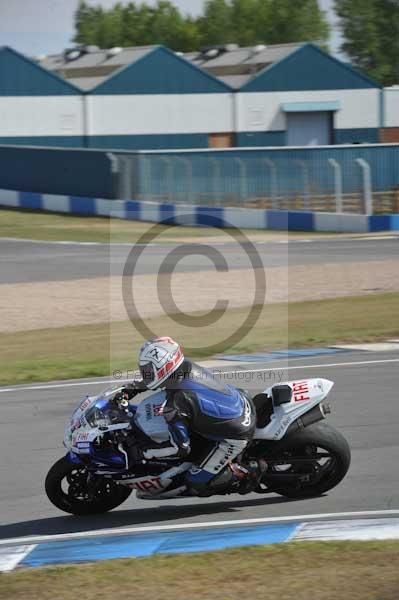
(340,222)
(161,114)
(391,106)
(29,116)
(9,198)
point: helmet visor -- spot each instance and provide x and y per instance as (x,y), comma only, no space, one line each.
(147,373)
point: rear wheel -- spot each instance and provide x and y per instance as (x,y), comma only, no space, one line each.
(310,462)
(67,488)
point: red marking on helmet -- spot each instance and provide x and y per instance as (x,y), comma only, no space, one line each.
(165,339)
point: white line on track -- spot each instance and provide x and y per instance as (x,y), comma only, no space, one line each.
(10,560)
(51,386)
(205,525)
(73,243)
(260,242)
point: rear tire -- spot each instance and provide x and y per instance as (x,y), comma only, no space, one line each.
(326,438)
(110,494)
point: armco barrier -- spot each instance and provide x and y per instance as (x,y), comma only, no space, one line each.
(199,215)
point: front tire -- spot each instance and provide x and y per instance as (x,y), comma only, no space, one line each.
(313,441)
(75,499)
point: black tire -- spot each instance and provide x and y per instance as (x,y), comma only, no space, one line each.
(324,436)
(110,494)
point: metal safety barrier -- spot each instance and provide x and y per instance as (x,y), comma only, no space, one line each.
(324,181)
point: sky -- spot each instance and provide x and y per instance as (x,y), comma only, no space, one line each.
(37,27)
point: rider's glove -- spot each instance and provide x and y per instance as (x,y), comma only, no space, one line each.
(134,388)
(129,392)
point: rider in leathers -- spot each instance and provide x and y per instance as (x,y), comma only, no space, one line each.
(196,403)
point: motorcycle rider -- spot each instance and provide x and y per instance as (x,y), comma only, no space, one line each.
(196,403)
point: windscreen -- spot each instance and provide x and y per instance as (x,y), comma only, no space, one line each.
(95,411)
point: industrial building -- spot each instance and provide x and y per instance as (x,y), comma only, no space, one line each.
(37,107)
(153,98)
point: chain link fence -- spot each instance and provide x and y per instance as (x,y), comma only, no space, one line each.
(327,181)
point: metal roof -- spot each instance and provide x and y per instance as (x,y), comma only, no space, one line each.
(86,83)
(96,58)
(272,54)
(235,81)
(233,65)
(251,55)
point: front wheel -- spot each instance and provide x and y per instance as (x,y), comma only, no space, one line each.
(67,488)
(309,462)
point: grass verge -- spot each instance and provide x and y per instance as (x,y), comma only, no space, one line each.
(36,225)
(296,571)
(83,351)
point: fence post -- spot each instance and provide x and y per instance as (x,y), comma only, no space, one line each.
(146,162)
(243,178)
(273,180)
(189,176)
(339,208)
(215,178)
(117,187)
(367,194)
(306,193)
(169,176)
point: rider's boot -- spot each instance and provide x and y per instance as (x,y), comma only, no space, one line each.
(254,472)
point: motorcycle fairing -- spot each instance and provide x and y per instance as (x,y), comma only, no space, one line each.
(306,394)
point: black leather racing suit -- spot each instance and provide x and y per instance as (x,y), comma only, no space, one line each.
(198,403)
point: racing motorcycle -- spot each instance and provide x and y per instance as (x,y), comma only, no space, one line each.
(303,456)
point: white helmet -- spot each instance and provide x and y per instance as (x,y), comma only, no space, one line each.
(158,359)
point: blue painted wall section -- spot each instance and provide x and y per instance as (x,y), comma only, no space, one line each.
(149,142)
(20,76)
(261,138)
(51,141)
(308,68)
(369,135)
(60,171)
(161,72)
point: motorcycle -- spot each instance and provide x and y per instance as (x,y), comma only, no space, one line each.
(304,456)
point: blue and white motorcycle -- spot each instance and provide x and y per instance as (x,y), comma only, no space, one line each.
(303,456)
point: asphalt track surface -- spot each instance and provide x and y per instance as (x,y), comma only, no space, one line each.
(25,261)
(365,409)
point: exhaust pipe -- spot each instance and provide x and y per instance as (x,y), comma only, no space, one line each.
(318,413)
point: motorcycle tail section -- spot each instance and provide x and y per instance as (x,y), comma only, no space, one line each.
(292,405)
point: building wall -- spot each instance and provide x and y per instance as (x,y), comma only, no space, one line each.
(37,107)
(158,121)
(260,118)
(35,120)
(391,107)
